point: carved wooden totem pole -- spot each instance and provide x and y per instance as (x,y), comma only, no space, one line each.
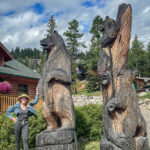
(57,108)
(124,125)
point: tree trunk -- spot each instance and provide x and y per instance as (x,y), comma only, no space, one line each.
(124,125)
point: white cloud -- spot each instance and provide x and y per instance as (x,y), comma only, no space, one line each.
(146,10)
(21,30)
(25,29)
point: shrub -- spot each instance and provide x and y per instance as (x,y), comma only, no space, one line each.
(36,125)
(93,82)
(88,125)
(89,121)
(7,139)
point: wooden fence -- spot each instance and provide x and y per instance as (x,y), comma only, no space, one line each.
(7,101)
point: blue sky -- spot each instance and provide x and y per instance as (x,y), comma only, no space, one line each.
(24,23)
(38,8)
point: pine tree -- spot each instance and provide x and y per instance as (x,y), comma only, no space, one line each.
(24,55)
(93,55)
(73,46)
(51,25)
(72,39)
(43,59)
(137,57)
(148,60)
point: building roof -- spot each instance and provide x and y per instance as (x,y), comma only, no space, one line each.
(15,68)
(5,52)
(145,79)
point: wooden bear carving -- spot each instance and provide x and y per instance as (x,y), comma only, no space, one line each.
(54,85)
(124,125)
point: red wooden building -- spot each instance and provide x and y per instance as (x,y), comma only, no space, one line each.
(142,84)
(22,78)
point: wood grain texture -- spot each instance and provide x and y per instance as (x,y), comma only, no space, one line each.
(54,88)
(54,85)
(124,125)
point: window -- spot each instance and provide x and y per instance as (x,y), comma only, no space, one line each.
(1,79)
(22,88)
(1,61)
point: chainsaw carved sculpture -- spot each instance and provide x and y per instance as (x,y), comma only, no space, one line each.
(54,87)
(124,125)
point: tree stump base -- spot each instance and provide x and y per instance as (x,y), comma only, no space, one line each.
(141,144)
(56,140)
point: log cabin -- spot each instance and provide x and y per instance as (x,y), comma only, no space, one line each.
(22,78)
(142,84)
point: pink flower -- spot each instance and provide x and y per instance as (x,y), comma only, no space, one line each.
(5,87)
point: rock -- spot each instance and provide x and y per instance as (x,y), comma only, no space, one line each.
(142,94)
(81,100)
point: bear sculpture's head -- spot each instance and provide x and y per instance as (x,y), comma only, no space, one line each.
(52,41)
(110,27)
(127,76)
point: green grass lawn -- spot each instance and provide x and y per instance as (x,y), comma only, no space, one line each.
(147,96)
(90,146)
(84,92)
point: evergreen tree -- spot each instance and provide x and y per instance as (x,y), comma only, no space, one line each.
(51,25)
(137,57)
(72,39)
(148,60)
(93,55)
(16,52)
(26,55)
(73,47)
(43,59)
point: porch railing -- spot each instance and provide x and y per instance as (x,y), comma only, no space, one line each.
(7,101)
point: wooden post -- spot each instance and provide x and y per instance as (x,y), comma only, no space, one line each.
(124,125)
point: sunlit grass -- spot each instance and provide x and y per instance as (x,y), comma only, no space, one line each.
(147,96)
(84,92)
(90,146)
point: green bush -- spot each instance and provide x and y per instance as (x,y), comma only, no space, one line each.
(7,139)
(36,125)
(89,121)
(88,125)
(93,82)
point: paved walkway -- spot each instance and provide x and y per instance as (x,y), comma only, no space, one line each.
(146,115)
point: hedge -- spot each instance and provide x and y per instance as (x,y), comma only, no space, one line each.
(88,125)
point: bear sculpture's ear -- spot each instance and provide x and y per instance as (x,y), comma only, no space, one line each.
(55,32)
